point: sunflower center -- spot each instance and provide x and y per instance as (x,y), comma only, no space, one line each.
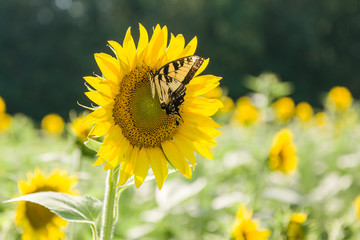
(38,215)
(139,115)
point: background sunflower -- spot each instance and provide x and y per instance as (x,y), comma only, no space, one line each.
(37,222)
(311,46)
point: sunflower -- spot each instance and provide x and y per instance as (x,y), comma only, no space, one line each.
(357,207)
(2,105)
(37,221)
(321,119)
(228,103)
(53,124)
(304,112)
(339,99)
(138,133)
(284,109)
(79,129)
(246,228)
(282,156)
(295,229)
(245,112)
(5,121)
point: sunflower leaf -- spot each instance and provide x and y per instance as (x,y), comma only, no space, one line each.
(93,144)
(83,209)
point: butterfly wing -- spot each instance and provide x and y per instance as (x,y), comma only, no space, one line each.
(163,89)
(182,69)
(170,80)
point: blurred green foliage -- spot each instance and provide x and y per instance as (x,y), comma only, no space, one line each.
(324,185)
(46,47)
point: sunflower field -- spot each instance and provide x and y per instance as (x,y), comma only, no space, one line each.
(280,169)
(164,152)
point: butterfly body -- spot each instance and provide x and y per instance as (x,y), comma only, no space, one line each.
(169,82)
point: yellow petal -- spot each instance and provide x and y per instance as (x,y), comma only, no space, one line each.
(125,151)
(186,148)
(110,164)
(165,35)
(98,98)
(120,54)
(190,48)
(157,50)
(204,80)
(197,90)
(204,131)
(158,165)
(200,146)
(112,145)
(109,66)
(97,115)
(202,85)
(128,166)
(99,161)
(114,155)
(195,133)
(100,85)
(174,156)
(150,49)
(22,186)
(143,40)
(203,150)
(100,129)
(130,48)
(200,120)
(176,46)
(202,105)
(116,158)
(142,168)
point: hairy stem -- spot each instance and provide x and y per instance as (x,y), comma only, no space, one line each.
(109,204)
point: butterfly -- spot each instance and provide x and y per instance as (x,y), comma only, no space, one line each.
(170,80)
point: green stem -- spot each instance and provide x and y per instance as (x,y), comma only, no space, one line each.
(262,170)
(116,209)
(94,231)
(109,204)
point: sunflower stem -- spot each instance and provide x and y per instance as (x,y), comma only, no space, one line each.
(94,231)
(109,204)
(116,209)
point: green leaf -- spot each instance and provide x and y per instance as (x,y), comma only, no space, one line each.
(268,84)
(93,144)
(83,209)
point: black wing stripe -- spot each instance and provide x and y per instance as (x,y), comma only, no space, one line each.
(166,69)
(193,70)
(176,66)
(168,79)
(181,62)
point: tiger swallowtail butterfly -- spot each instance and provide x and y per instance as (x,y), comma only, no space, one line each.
(170,80)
